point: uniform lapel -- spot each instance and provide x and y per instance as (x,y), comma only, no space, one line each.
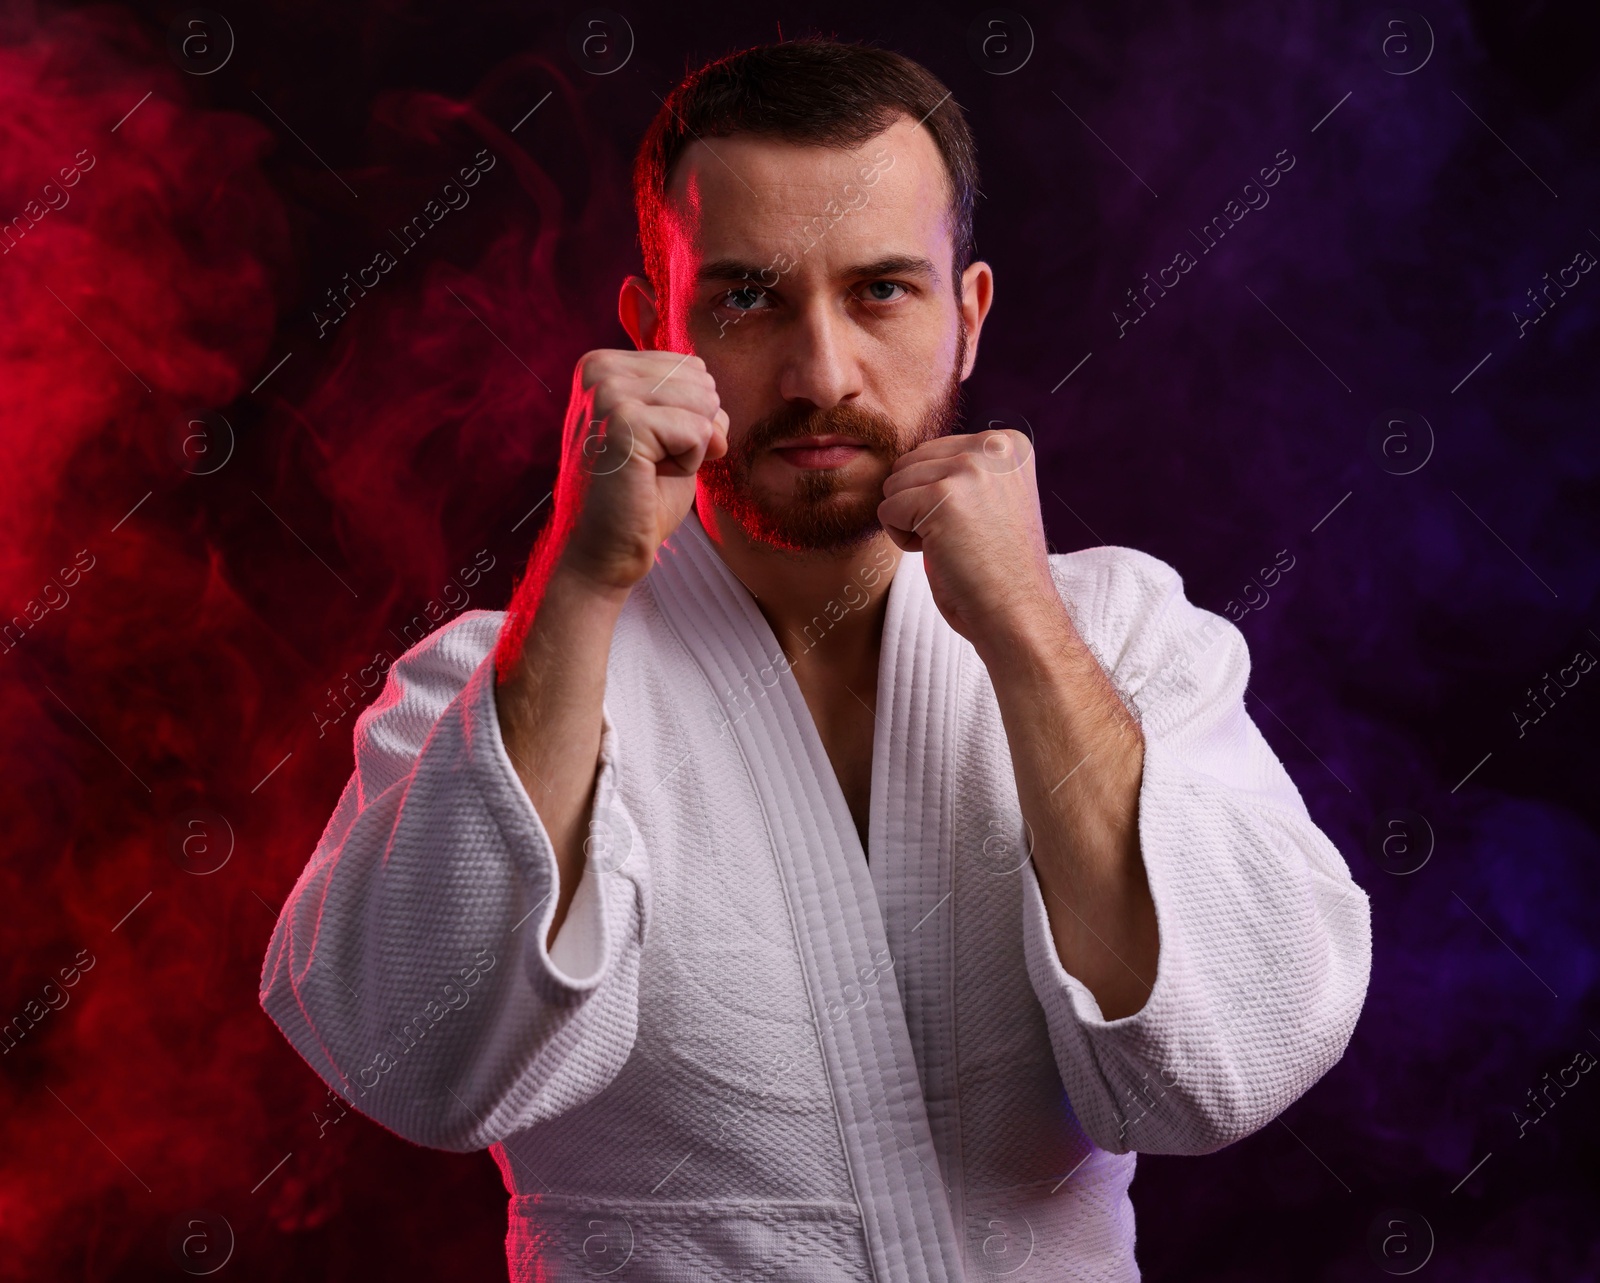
(835,899)
(911,834)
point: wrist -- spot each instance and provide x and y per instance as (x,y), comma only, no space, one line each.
(558,617)
(1033,639)
(559,568)
(574,584)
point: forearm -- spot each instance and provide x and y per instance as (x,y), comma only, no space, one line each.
(549,702)
(1078,758)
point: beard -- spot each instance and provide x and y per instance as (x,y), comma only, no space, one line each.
(824,512)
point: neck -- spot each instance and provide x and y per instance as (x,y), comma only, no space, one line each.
(825,608)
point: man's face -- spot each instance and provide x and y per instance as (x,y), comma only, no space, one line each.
(815,283)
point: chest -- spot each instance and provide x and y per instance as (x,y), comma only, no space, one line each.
(780,965)
(842,710)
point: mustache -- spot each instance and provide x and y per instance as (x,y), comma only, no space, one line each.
(874,430)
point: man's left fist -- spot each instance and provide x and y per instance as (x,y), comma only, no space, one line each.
(970,505)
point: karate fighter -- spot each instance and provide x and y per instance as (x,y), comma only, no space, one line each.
(809,876)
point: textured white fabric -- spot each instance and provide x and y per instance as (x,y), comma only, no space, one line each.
(753,1054)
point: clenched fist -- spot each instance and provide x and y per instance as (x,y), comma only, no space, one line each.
(638,427)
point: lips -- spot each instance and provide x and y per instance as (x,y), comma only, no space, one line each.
(820,452)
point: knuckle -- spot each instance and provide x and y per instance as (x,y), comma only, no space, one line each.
(596,367)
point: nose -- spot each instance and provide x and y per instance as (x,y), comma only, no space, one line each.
(821,364)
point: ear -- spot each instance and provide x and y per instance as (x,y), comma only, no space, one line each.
(977,294)
(636,308)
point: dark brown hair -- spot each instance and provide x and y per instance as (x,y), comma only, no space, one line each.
(815,91)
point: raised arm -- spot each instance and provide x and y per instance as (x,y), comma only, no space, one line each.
(420,964)
(639,424)
(1180,876)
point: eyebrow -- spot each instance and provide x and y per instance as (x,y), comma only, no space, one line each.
(736,269)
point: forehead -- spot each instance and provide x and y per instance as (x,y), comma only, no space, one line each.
(749,197)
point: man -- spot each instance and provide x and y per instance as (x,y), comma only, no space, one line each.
(782,887)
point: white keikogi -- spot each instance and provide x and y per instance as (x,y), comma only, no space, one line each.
(755,1053)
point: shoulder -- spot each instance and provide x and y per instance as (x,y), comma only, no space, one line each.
(1116,596)
(450,654)
(1121,574)
(1163,652)
(423,681)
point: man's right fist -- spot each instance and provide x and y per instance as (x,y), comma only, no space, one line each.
(639,424)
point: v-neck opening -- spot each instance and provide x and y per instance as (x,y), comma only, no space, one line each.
(910,564)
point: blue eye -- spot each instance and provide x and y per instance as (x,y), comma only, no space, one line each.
(870,295)
(747,298)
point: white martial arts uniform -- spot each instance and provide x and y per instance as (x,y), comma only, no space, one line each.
(756,1054)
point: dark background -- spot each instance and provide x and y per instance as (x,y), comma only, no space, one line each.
(1341,381)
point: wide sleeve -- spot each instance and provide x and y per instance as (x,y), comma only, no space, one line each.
(408,965)
(1265,939)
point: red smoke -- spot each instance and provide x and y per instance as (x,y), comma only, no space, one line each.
(199,586)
